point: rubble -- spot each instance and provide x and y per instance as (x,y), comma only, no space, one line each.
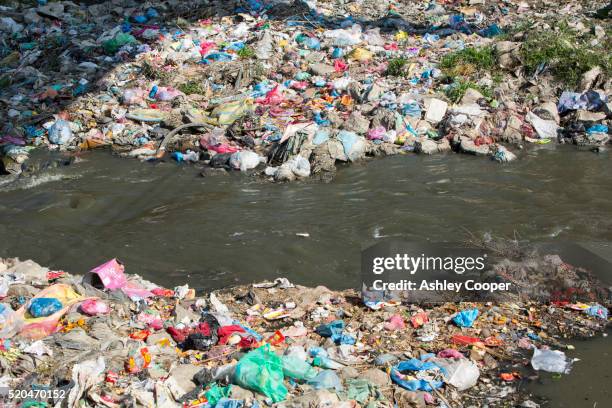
(115,339)
(196,80)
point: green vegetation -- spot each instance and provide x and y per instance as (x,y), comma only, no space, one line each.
(191,87)
(246,52)
(396,67)
(457,89)
(566,55)
(468,61)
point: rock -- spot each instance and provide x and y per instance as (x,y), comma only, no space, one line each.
(383,117)
(426,146)
(548,111)
(321,69)
(32,271)
(26,291)
(589,78)
(318,398)
(586,116)
(467,145)
(471,96)
(508,54)
(357,123)
(412,399)
(436,109)
(180,381)
(375,92)
(348,372)
(512,132)
(376,376)
(239,393)
(212,172)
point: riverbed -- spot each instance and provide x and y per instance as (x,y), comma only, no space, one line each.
(172,226)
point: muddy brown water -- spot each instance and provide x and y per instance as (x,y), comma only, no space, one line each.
(172,226)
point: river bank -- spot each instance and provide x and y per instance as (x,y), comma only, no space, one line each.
(293,90)
(121,339)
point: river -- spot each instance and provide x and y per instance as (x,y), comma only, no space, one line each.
(170,225)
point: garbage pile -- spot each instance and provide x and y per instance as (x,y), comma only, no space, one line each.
(112,339)
(291,89)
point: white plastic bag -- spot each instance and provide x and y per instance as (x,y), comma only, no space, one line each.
(245,160)
(462,373)
(60,133)
(553,361)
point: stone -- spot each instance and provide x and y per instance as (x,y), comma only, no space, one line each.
(357,123)
(586,116)
(348,372)
(322,69)
(180,381)
(471,96)
(548,111)
(239,393)
(376,377)
(375,92)
(436,109)
(31,270)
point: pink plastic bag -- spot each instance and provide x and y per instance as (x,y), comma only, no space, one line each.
(395,322)
(274,97)
(340,66)
(377,133)
(450,353)
(111,274)
(94,307)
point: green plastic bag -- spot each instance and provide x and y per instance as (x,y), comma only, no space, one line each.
(112,46)
(215,393)
(298,369)
(261,370)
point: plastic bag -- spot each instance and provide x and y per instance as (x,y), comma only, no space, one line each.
(229,112)
(245,160)
(261,370)
(553,361)
(354,146)
(297,368)
(85,375)
(10,324)
(395,322)
(94,307)
(167,94)
(60,133)
(298,166)
(361,55)
(111,275)
(43,307)
(546,129)
(335,330)
(344,38)
(466,318)
(415,384)
(461,373)
(132,96)
(326,379)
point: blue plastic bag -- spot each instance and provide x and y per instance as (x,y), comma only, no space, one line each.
(466,318)
(43,307)
(326,379)
(597,311)
(415,365)
(335,330)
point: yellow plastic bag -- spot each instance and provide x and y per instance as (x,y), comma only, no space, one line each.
(360,54)
(227,113)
